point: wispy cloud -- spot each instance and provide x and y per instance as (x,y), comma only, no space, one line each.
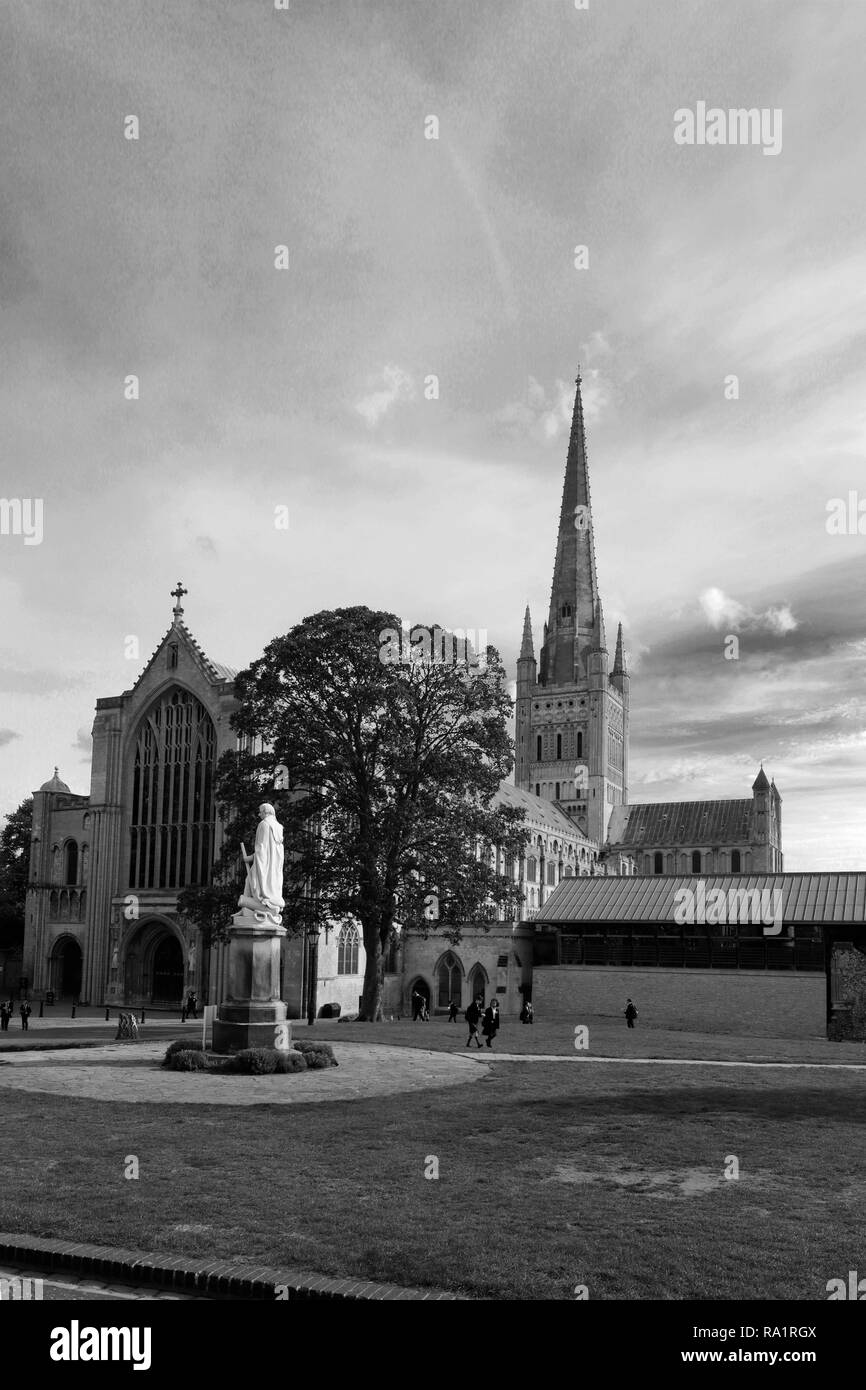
(720,610)
(398,385)
(6,736)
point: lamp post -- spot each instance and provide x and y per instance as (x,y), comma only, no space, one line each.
(313,933)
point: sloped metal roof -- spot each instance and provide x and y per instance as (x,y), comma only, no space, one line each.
(838,897)
(683,823)
(539,811)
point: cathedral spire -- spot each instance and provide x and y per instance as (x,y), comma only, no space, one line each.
(575,624)
(619,666)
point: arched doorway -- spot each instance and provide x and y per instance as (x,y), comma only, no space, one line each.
(153,966)
(478,982)
(167,985)
(449,981)
(66,968)
(419,986)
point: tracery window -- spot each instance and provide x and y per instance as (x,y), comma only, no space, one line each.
(347,950)
(449,979)
(172,811)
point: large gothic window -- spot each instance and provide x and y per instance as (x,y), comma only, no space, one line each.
(449,980)
(347,950)
(172,813)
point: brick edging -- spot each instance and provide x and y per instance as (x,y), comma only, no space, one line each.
(217,1278)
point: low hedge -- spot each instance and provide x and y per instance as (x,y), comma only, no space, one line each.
(250,1061)
(187,1060)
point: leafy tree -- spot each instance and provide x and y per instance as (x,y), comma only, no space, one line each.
(392,766)
(14,864)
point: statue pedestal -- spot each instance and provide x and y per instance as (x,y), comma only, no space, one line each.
(252,1009)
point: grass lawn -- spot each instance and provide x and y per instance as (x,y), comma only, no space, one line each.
(550,1176)
(607,1038)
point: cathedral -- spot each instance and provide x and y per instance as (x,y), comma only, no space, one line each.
(106,866)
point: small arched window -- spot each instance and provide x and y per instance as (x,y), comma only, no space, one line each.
(538,789)
(735,862)
(70,862)
(559,745)
(696,861)
(538,749)
(347,950)
(579,744)
(557,792)
(659,863)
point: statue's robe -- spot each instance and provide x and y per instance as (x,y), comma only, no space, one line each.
(265,874)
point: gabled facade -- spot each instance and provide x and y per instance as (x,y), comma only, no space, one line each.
(101,919)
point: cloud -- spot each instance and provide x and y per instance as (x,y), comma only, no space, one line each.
(545,413)
(206,544)
(7,735)
(84,741)
(720,610)
(398,386)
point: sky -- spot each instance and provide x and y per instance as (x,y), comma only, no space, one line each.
(308,386)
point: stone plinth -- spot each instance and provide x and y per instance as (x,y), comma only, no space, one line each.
(252,1011)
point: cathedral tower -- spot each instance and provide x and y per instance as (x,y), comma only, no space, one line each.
(572,722)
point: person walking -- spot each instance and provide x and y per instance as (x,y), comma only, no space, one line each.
(5,1015)
(526,1012)
(630,1013)
(25,1012)
(473,1015)
(452,1011)
(192,1004)
(417,1003)
(490,1026)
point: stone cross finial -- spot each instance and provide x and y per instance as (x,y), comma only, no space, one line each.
(178,594)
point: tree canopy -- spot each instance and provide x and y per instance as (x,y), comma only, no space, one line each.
(14,865)
(382,764)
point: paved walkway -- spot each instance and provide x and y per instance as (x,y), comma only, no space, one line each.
(494,1056)
(130,1072)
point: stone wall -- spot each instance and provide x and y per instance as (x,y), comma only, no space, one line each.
(752,1003)
(848,1016)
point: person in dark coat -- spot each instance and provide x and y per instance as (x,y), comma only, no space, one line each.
(490,1026)
(473,1016)
(417,1003)
(630,1013)
(5,1015)
(526,1012)
(452,1011)
(25,1012)
(192,1004)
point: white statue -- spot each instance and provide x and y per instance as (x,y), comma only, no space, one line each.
(263,890)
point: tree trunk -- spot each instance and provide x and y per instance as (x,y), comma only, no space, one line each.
(374,978)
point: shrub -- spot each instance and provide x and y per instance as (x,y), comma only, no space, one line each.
(182,1045)
(319,1061)
(323,1047)
(291,1061)
(187,1061)
(257,1061)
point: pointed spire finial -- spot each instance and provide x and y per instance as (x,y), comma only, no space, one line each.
(619,659)
(178,594)
(527,651)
